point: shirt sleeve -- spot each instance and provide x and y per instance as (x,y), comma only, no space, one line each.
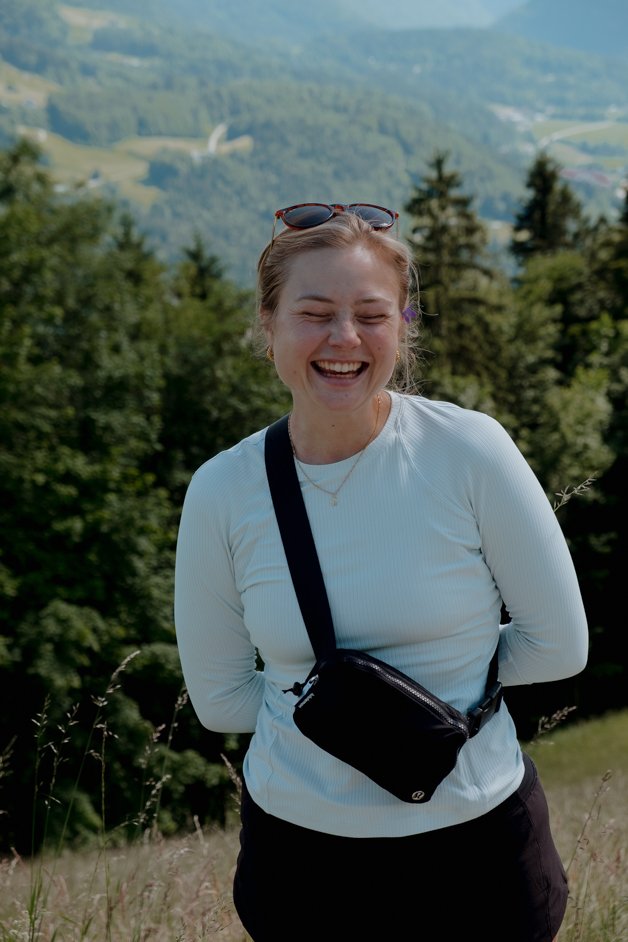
(218,659)
(526,551)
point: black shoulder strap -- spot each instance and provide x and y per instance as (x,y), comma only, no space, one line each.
(304,565)
(298,541)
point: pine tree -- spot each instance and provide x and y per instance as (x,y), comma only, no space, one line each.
(611,261)
(448,238)
(462,294)
(551,218)
(576,275)
(601,542)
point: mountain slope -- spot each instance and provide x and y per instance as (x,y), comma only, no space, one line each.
(189,127)
(247,20)
(297,20)
(425,14)
(473,65)
(600,27)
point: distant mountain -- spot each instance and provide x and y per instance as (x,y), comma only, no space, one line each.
(425,14)
(299,20)
(600,27)
(249,20)
(450,70)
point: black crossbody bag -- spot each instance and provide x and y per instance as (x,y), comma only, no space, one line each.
(353,705)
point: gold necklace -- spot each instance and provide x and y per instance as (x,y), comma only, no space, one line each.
(333,495)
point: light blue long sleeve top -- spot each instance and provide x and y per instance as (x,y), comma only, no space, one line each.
(440,521)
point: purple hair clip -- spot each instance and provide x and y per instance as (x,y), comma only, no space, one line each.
(409,314)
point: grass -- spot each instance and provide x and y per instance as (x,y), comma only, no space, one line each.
(584,768)
(125,164)
(19,88)
(179,889)
(174,890)
(80,165)
(568,142)
(84,23)
(598,132)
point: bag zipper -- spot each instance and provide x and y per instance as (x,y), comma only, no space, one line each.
(392,679)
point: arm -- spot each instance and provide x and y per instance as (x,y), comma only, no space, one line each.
(525,549)
(217,657)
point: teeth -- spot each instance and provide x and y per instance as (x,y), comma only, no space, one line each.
(339,367)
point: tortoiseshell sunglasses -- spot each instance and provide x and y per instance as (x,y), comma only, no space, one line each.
(309,215)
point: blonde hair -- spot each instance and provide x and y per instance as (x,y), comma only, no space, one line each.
(341,232)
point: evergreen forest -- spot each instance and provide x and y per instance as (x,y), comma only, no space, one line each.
(121,373)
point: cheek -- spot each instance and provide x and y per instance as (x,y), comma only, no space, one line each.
(393,336)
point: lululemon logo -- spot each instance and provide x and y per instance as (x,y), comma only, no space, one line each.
(418,795)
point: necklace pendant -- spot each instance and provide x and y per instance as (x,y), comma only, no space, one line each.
(333,500)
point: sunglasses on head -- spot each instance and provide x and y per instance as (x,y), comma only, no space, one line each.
(309,215)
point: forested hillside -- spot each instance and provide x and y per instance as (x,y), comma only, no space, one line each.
(425,14)
(197,131)
(299,19)
(572,24)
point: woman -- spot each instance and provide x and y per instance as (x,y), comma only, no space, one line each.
(427,519)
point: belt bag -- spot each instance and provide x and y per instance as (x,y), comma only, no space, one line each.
(385,724)
(353,705)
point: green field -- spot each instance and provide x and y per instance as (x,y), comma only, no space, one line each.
(124,165)
(83,22)
(18,88)
(600,143)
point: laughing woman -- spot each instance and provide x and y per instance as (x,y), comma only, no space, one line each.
(427,521)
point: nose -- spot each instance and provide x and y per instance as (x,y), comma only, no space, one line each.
(344,332)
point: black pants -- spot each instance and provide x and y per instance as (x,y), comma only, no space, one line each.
(498,877)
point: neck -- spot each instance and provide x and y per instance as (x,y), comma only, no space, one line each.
(337,437)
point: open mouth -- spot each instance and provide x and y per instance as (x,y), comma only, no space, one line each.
(335,368)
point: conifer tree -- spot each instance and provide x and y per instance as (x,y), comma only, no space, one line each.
(448,238)
(601,541)
(611,261)
(215,391)
(551,218)
(462,294)
(576,275)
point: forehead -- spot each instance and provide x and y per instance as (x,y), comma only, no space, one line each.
(338,272)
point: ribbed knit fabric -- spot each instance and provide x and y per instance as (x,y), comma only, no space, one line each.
(441,521)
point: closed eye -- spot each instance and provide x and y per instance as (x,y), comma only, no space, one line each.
(372,317)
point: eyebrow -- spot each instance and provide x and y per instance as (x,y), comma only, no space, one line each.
(326,300)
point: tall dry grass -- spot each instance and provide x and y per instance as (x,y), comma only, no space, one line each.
(179,889)
(584,768)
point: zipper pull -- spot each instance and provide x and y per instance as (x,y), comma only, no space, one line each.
(298,688)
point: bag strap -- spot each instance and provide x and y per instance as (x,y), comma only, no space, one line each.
(298,541)
(305,568)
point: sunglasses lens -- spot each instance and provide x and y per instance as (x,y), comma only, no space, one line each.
(305,217)
(376,216)
(309,215)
